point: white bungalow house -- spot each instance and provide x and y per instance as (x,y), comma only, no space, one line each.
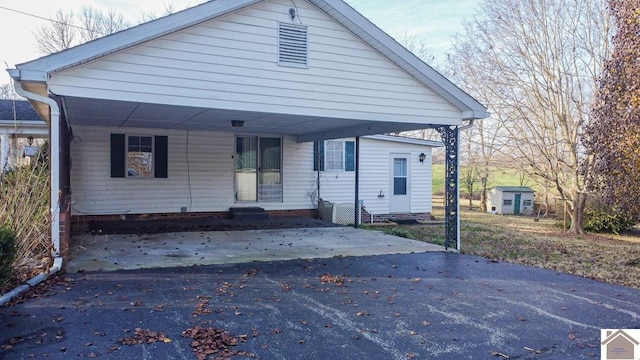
(218,106)
(21,133)
(510,200)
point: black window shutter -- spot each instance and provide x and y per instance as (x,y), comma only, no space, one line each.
(349,156)
(161,157)
(318,155)
(118,158)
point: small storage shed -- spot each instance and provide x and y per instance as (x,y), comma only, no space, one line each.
(510,200)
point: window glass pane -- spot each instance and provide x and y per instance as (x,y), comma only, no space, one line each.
(400,186)
(270,154)
(507,202)
(270,178)
(140,156)
(246,168)
(334,155)
(400,167)
(246,153)
(400,176)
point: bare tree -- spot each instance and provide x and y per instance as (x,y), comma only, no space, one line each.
(538,62)
(168,8)
(58,35)
(96,24)
(67,30)
(487,136)
(7,92)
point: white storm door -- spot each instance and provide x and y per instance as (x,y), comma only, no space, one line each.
(400,199)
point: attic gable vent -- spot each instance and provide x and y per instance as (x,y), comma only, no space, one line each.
(292,45)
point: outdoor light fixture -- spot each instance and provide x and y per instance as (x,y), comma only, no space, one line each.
(237,123)
(421,157)
(30,140)
(292,12)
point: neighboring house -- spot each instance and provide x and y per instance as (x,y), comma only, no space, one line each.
(21,131)
(510,200)
(619,345)
(395,176)
(218,106)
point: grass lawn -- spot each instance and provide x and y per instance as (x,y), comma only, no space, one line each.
(498,176)
(521,240)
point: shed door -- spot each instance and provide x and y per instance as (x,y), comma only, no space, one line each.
(400,199)
(516,204)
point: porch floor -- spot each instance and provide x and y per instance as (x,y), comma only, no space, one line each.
(294,239)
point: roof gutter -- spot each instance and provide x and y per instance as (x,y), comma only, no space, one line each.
(469,125)
(54,154)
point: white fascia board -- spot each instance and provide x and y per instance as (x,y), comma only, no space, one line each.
(406,140)
(406,60)
(37,69)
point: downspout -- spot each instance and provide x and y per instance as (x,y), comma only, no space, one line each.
(54,154)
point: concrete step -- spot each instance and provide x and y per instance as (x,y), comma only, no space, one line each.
(248,213)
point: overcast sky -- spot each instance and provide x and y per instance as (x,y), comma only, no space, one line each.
(432,20)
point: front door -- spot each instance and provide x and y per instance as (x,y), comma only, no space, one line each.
(516,205)
(400,199)
(258,169)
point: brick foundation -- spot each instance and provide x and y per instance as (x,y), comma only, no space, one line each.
(366,216)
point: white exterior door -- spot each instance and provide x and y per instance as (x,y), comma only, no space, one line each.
(400,199)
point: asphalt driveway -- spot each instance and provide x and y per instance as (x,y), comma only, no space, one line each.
(428,305)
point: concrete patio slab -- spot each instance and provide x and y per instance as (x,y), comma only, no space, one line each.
(132,251)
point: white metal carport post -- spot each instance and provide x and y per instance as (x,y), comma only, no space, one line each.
(4,154)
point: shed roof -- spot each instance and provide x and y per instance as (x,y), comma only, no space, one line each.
(519,189)
(406,140)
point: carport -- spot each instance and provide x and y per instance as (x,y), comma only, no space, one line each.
(224,70)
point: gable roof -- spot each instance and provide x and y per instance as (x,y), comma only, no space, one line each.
(38,70)
(23,111)
(515,189)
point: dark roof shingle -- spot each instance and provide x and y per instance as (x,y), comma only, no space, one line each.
(24,111)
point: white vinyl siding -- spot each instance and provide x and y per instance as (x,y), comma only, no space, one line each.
(208,65)
(201,176)
(201,170)
(375,177)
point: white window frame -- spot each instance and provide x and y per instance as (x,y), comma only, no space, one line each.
(507,202)
(334,155)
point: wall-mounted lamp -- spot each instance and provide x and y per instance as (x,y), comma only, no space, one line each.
(30,140)
(237,123)
(421,157)
(292,12)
